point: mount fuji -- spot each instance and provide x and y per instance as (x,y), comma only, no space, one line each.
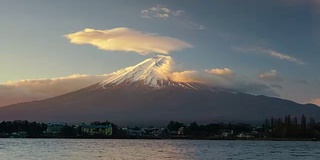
(145,94)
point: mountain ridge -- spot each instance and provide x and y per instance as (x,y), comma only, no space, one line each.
(145,94)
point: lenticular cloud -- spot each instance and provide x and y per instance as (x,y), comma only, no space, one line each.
(127,40)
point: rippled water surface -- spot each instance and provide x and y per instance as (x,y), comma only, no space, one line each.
(85,149)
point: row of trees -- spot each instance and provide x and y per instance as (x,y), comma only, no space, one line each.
(291,127)
(33,129)
(287,127)
(209,129)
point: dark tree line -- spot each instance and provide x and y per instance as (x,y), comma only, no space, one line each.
(287,127)
(33,129)
(291,127)
(209,129)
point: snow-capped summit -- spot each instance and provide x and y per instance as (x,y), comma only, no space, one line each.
(152,71)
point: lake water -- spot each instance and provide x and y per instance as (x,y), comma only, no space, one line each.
(88,149)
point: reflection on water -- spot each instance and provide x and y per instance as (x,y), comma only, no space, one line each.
(72,149)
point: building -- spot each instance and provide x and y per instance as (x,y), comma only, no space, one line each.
(55,128)
(133,131)
(244,135)
(227,133)
(181,131)
(95,129)
(21,134)
(153,131)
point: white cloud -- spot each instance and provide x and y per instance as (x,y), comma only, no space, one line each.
(177,12)
(28,90)
(271,75)
(127,40)
(221,71)
(277,86)
(201,27)
(160,11)
(283,56)
(269,52)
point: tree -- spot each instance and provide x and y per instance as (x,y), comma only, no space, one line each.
(68,131)
(272,123)
(279,122)
(174,126)
(267,124)
(295,121)
(193,129)
(304,125)
(288,121)
(312,123)
(230,127)
(303,122)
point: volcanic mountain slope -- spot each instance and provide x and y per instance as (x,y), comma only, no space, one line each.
(145,95)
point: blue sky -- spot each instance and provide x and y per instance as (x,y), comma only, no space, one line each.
(250,37)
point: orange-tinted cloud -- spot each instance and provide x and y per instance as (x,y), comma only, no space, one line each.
(316,101)
(223,81)
(271,75)
(187,76)
(221,71)
(127,40)
(29,90)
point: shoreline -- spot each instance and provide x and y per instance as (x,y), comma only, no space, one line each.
(173,138)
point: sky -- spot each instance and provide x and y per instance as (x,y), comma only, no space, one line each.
(53,47)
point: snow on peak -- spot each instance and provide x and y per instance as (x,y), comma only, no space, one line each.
(152,71)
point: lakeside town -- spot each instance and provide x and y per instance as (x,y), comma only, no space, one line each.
(287,128)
